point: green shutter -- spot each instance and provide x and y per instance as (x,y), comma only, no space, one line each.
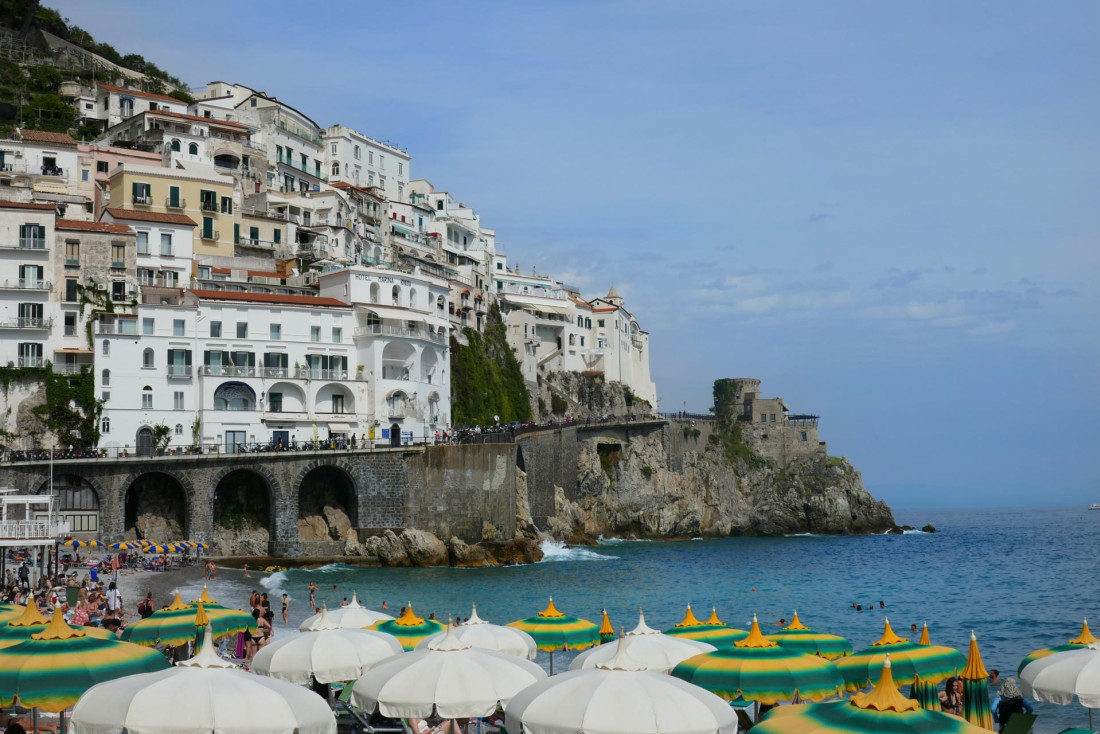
(236,234)
(207,227)
(278,236)
(41,232)
(136,190)
(174,195)
(254,233)
(23,231)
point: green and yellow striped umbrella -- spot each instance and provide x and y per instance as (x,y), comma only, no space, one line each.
(54,668)
(976,708)
(555,631)
(925,693)
(10,611)
(883,710)
(929,663)
(233,620)
(799,637)
(175,624)
(409,629)
(1083,640)
(30,622)
(607,632)
(713,631)
(760,670)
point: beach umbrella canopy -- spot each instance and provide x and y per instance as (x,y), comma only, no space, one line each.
(618,696)
(159,548)
(929,663)
(657,651)
(353,616)
(607,632)
(485,636)
(175,624)
(554,631)
(713,631)
(1084,639)
(797,636)
(73,543)
(53,668)
(923,692)
(127,545)
(882,709)
(10,611)
(409,629)
(326,652)
(450,677)
(31,622)
(203,694)
(760,670)
(975,688)
(1062,676)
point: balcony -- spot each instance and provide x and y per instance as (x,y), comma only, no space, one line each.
(251,242)
(170,203)
(71,368)
(211,235)
(276,416)
(293,129)
(26,243)
(33,530)
(397,412)
(118,264)
(182,371)
(209,206)
(26,322)
(31,362)
(387,330)
(143,200)
(274,372)
(303,169)
(26,284)
(227,370)
(72,262)
(309,373)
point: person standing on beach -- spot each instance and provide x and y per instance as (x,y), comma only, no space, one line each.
(286,607)
(246,571)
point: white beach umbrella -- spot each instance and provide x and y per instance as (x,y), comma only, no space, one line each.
(353,616)
(326,652)
(202,695)
(654,649)
(1061,676)
(618,696)
(451,678)
(485,636)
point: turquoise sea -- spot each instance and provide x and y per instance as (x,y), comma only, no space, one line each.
(1020,578)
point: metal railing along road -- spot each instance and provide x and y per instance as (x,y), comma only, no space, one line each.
(112,453)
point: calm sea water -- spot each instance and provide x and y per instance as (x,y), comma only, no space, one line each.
(1021,579)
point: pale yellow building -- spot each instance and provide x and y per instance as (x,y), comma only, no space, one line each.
(208,198)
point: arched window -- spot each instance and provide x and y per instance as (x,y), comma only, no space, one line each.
(147,397)
(572,340)
(374,296)
(234,396)
(412,298)
(179,429)
(106,376)
(106,347)
(580,321)
(335,169)
(105,425)
(147,359)
(193,148)
(397,295)
(176,145)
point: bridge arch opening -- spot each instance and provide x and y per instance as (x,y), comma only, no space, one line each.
(244,519)
(155,509)
(327,504)
(78,502)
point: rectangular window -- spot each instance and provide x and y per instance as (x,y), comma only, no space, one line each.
(84,174)
(147,326)
(118,290)
(72,253)
(118,255)
(177,327)
(166,244)
(242,329)
(400,168)
(215,330)
(337,403)
(600,323)
(334,147)
(147,400)
(773,417)
(106,395)
(208,200)
(141,193)
(143,243)
(102,167)
(315,333)
(70,324)
(254,234)
(174,197)
(227,205)
(177,401)
(337,334)
(278,236)
(169,277)
(208,228)
(802,435)
(70,290)
(276,332)
(763,417)
(236,234)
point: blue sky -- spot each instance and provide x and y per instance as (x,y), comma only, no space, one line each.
(886,211)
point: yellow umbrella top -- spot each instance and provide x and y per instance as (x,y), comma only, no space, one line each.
(31,617)
(796,623)
(714,617)
(605,627)
(58,630)
(755,638)
(974,669)
(177,604)
(408,618)
(889,637)
(551,611)
(201,620)
(204,597)
(924,636)
(690,620)
(885,696)
(1085,638)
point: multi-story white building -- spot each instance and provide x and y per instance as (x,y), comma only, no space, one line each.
(39,163)
(115,104)
(164,245)
(367,358)
(27,244)
(356,159)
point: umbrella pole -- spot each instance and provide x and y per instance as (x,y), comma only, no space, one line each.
(34,719)
(1090,718)
(552,671)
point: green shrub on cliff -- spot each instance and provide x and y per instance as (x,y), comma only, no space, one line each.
(486,379)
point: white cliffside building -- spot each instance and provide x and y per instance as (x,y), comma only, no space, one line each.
(352,157)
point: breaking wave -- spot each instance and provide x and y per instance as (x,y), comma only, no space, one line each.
(557,550)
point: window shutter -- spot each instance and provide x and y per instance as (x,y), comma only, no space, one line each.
(236,234)
(136,190)
(23,231)
(278,236)
(254,233)
(41,232)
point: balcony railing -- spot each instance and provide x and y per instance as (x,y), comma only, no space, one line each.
(210,206)
(170,203)
(387,330)
(302,133)
(72,368)
(28,284)
(274,371)
(143,200)
(28,243)
(310,373)
(118,264)
(227,370)
(211,235)
(303,168)
(179,370)
(285,415)
(27,530)
(251,242)
(31,362)
(26,322)
(72,262)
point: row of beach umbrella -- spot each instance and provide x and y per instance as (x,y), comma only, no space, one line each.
(144,546)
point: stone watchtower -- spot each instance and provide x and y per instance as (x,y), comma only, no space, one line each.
(734,397)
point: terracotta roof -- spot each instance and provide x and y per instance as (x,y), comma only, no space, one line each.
(211,120)
(41,136)
(93,226)
(26,205)
(268,298)
(580,302)
(139,93)
(142,216)
(606,309)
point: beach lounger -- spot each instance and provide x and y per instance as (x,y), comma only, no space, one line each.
(1020,723)
(344,705)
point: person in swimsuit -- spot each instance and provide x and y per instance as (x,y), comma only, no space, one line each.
(286,606)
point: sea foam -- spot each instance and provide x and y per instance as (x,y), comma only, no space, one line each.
(556,551)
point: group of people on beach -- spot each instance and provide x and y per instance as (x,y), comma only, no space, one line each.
(1009,698)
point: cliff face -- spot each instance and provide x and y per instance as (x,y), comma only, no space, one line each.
(627,488)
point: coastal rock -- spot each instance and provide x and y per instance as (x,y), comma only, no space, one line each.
(312,528)
(520,549)
(424,549)
(338,521)
(463,555)
(387,548)
(250,540)
(929,528)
